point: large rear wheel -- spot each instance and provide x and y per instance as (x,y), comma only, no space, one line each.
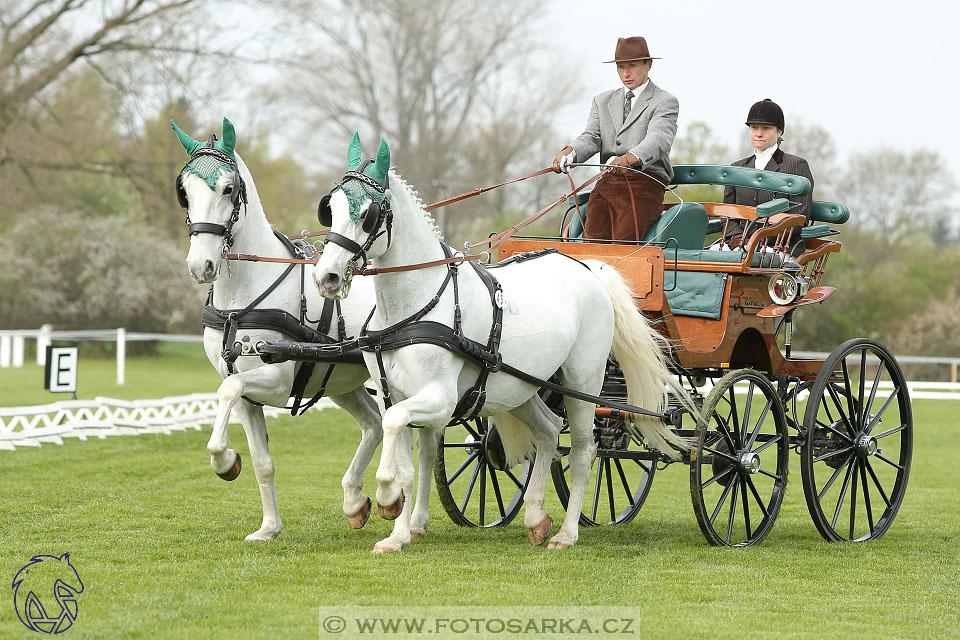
(855,459)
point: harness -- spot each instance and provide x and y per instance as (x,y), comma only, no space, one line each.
(250,317)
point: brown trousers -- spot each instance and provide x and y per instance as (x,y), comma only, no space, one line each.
(623,207)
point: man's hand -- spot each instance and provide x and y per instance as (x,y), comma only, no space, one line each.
(626,160)
(563,159)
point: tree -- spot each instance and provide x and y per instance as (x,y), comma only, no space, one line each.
(698,145)
(439,79)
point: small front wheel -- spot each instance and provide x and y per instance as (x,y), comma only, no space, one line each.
(738,469)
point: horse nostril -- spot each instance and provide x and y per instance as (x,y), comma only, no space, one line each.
(330,282)
(209,270)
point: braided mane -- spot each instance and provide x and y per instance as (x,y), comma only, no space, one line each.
(412,193)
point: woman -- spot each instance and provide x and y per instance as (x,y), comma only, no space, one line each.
(766,133)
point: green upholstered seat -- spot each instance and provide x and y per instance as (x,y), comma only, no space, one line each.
(715,255)
(697,293)
(741,177)
(686,223)
(817,231)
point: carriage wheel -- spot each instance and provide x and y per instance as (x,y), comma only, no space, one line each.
(619,480)
(856,455)
(476,487)
(738,472)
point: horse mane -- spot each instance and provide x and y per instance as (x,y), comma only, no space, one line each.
(410,192)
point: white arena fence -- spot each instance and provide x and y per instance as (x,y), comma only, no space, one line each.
(50,423)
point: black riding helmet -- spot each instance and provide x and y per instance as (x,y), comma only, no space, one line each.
(766,112)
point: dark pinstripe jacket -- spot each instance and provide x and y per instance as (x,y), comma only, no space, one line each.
(782,162)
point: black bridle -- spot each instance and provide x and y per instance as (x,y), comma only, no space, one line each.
(376,216)
(238,195)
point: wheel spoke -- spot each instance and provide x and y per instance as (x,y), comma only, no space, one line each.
(832,453)
(862,414)
(596,491)
(873,392)
(483,493)
(843,494)
(756,430)
(623,479)
(566,467)
(735,419)
(770,475)
(876,481)
(613,513)
(836,473)
(756,495)
(745,422)
(456,474)
(890,431)
(843,415)
(640,464)
(733,508)
(721,454)
(888,461)
(866,495)
(723,498)
(723,473)
(853,500)
(513,478)
(496,491)
(769,442)
(476,435)
(473,481)
(746,508)
(851,409)
(883,409)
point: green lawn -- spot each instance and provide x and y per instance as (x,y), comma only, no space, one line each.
(179,368)
(158,541)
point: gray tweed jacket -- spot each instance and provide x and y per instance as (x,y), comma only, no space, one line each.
(647,133)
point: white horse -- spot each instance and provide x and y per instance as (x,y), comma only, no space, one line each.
(210,187)
(559,316)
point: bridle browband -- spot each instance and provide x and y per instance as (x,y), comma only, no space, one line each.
(238,195)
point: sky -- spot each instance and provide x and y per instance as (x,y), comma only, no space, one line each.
(873,74)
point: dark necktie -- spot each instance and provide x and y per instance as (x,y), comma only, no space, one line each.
(627,105)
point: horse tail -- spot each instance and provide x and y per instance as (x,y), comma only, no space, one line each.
(640,349)
(516,437)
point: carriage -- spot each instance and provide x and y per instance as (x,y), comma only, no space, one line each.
(741,400)
(728,315)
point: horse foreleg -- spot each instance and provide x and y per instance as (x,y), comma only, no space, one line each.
(427,442)
(400,536)
(256,429)
(225,461)
(363,408)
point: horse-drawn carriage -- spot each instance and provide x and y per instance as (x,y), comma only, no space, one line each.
(729,399)
(728,315)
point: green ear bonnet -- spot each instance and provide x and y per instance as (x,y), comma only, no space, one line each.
(365,180)
(212,160)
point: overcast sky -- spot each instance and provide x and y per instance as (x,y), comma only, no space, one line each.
(873,74)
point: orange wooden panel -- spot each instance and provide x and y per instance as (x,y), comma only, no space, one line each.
(640,266)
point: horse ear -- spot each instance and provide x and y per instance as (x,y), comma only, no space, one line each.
(188,143)
(353,152)
(382,164)
(229,141)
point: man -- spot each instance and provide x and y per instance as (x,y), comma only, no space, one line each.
(765,121)
(632,126)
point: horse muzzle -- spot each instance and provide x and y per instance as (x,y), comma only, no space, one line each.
(334,286)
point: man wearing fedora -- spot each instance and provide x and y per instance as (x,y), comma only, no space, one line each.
(632,126)
(766,122)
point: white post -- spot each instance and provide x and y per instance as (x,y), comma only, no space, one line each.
(121,355)
(18,350)
(5,349)
(43,341)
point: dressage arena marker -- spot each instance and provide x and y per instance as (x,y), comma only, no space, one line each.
(101,417)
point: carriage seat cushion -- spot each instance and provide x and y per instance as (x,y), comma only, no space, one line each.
(715,255)
(687,224)
(697,293)
(741,177)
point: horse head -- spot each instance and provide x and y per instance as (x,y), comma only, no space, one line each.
(358,212)
(211,190)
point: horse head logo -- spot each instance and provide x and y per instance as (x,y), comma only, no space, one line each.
(45,593)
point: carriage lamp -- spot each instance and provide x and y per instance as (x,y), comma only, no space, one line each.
(785,288)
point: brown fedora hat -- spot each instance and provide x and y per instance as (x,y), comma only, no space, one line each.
(634,48)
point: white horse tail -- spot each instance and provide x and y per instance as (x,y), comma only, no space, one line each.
(639,349)
(516,437)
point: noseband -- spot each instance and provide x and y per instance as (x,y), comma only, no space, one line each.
(238,195)
(381,209)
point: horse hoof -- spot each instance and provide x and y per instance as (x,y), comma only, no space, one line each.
(556,544)
(231,474)
(539,533)
(418,533)
(385,548)
(359,519)
(391,512)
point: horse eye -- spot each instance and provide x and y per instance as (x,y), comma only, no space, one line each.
(228,190)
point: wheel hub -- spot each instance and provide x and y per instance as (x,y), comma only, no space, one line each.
(749,462)
(867,446)
(493,450)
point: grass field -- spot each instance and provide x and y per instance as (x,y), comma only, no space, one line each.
(158,541)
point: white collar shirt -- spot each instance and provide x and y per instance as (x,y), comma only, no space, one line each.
(763,157)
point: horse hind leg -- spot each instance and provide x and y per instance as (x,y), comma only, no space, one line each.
(363,408)
(583,448)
